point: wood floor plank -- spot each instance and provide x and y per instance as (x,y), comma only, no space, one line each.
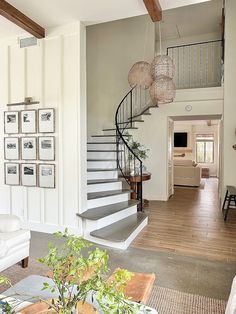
(190,223)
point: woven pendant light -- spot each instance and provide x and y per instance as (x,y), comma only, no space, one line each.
(140,75)
(162,65)
(162,90)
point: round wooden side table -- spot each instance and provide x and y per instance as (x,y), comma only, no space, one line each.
(135,182)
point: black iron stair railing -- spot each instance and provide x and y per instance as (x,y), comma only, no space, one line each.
(135,102)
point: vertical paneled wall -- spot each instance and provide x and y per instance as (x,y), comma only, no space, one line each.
(51,73)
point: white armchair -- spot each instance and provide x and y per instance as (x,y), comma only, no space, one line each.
(14,242)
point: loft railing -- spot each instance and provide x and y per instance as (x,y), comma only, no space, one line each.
(133,105)
(197,65)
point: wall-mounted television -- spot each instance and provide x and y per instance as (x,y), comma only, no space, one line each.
(180,139)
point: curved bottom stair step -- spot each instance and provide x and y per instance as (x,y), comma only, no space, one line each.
(120,234)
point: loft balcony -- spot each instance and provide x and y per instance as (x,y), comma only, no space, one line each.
(197,65)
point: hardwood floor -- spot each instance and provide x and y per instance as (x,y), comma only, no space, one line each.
(190,223)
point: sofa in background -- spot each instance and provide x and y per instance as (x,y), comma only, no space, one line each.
(14,242)
(187,173)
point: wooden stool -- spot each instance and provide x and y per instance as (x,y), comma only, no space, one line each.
(139,287)
(205,172)
(230,196)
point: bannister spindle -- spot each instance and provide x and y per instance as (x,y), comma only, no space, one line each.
(141,187)
(126,157)
(131,109)
(140,102)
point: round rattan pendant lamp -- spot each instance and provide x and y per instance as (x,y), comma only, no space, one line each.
(140,75)
(162,65)
(162,90)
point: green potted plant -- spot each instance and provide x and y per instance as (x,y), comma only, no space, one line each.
(72,267)
(78,274)
(139,150)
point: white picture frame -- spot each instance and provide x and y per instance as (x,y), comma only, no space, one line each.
(12,173)
(29,174)
(29,148)
(11,122)
(11,148)
(46,148)
(28,121)
(46,175)
(46,120)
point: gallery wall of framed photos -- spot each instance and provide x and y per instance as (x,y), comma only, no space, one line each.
(29,148)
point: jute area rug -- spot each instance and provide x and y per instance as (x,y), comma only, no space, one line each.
(164,300)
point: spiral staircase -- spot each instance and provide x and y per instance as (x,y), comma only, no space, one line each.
(112,218)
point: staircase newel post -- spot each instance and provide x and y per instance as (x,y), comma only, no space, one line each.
(141,186)
(117,149)
(131,108)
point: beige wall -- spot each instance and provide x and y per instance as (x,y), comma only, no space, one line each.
(229,156)
(112,48)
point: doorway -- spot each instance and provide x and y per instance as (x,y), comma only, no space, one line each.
(194,153)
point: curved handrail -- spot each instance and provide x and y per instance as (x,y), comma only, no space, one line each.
(124,120)
(117,126)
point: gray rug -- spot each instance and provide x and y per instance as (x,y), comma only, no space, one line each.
(166,301)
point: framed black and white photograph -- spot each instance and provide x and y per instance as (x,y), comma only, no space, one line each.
(28,121)
(47,176)
(11,148)
(46,120)
(46,148)
(11,122)
(29,148)
(29,175)
(12,173)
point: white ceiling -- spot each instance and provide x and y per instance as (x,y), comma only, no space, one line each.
(50,13)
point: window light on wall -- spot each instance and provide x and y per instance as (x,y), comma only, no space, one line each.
(205,148)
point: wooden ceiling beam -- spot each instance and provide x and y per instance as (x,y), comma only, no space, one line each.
(154,9)
(20,19)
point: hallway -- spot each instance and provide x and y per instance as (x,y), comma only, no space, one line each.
(190,224)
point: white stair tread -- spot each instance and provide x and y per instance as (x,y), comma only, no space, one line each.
(101,160)
(95,195)
(120,231)
(110,135)
(103,150)
(103,181)
(101,169)
(104,211)
(101,143)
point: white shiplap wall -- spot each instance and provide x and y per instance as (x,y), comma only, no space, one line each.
(53,73)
